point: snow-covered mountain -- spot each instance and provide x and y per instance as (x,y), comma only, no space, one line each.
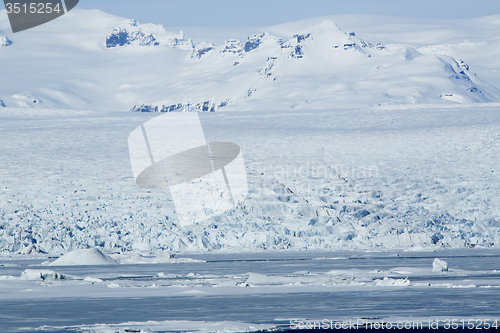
(91,60)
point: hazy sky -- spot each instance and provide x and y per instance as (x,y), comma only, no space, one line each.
(269,12)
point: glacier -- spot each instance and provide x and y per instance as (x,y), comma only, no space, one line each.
(378,178)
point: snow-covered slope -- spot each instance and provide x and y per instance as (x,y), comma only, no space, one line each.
(91,256)
(91,60)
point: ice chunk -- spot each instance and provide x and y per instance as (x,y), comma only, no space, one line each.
(392,282)
(91,279)
(40,275)
(439,265)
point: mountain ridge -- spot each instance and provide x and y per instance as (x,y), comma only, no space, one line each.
(117,63)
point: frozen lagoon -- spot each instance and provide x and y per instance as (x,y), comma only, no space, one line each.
(245,292)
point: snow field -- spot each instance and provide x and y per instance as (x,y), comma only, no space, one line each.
(394,178)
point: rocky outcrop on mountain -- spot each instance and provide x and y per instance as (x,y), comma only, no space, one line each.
(254,41)
(202,49)
(136,34)
(302,37)
(462,64)
(121,37)
(232,46)
(4,41)
(179,42)
(207,106)
(459,72)
(130,35)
